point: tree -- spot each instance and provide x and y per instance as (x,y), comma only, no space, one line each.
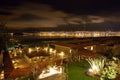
(4,36)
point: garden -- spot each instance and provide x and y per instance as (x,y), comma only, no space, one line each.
(100,68)
(78,71)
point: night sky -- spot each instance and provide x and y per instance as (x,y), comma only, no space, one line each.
(60,15)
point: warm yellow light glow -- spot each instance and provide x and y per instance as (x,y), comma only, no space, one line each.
(2,75)
(90,70)
(15,65)
(51,50)
(20,51)
(54,51)
(91,47)
(29,50)
(70,50)
(52,71)
(46,49)
(61,54)
(85,47)
(94,70)
(13,61)
(37,48)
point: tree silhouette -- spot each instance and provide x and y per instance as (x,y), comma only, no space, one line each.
(4,36)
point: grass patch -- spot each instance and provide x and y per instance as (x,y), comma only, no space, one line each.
(77,71)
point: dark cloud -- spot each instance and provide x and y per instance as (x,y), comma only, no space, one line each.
(28,17)
(5,13)
(55,16)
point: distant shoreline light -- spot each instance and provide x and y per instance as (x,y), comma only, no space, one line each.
(76,34)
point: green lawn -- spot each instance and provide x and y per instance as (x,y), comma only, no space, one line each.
(77,71)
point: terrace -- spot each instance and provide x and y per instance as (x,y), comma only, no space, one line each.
(70,56)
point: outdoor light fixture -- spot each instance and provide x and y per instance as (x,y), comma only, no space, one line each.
(29,50)
(62,55)
(94,70)
(51,50)
(46,49)
(52,71)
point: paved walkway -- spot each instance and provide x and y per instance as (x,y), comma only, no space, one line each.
(55,77)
